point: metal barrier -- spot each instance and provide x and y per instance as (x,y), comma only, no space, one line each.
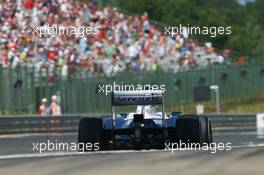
(233,120)
(69,123)
(36,124)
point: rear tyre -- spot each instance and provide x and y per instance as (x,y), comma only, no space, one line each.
(188,129)
(193,129)
(90,136)
(210,132)
(206,130)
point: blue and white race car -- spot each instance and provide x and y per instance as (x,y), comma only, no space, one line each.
(145,128)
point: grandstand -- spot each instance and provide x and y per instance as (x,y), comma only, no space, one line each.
(123,44)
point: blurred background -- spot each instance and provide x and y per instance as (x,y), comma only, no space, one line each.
(131,48)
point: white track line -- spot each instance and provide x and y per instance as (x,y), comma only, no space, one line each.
(6,136)
(56,154)
(250,145)
(235,133)
(36,134)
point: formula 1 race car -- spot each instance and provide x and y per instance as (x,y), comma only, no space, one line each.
(145,128)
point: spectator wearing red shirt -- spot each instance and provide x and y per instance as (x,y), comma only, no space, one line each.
(29,4)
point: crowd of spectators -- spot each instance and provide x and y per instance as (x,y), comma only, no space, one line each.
(123,44)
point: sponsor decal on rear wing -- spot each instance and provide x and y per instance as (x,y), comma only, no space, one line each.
(125,98)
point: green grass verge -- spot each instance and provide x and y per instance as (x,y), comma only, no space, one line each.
(234,105)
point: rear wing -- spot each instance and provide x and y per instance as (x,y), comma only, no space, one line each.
(125,98)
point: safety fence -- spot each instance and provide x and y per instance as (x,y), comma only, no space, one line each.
(21,89)
(69,123)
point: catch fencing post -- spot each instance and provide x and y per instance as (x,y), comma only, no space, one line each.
(215,88)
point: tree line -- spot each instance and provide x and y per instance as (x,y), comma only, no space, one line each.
(247,21)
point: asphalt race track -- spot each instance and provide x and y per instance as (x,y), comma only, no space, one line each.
(245,157)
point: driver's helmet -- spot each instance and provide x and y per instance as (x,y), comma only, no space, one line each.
(148,110)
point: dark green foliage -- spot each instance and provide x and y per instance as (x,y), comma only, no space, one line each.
(247,22)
